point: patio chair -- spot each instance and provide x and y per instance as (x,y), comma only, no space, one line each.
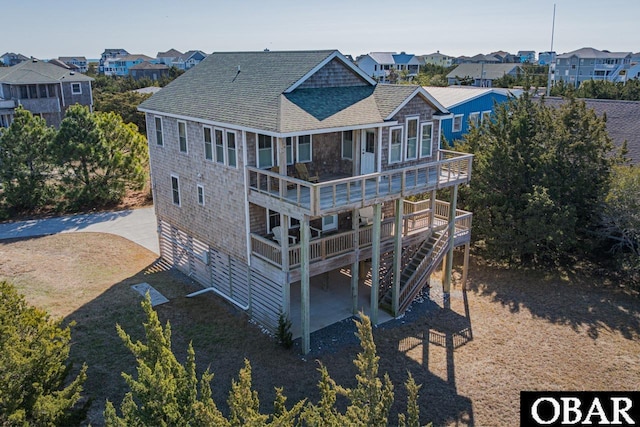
(303,173)
(277,236)
(366,215)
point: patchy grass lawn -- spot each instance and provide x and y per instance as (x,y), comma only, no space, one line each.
(511,331)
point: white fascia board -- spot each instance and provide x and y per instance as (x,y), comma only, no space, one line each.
(426,95)
(335,54)
(338,129)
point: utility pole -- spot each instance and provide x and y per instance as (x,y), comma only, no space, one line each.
(551,64)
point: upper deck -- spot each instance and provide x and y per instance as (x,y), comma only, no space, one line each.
(296,198)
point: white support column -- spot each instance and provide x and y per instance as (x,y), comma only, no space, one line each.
(465,266)
(433,208)
(375,262)
(305,301)
(446,284)
(355,266)
(397,257)
(284,247)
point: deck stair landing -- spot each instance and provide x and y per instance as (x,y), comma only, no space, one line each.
(415,274)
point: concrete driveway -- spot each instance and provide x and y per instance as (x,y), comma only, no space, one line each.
(137,225)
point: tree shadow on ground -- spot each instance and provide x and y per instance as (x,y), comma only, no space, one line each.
(569,297)
(223,337)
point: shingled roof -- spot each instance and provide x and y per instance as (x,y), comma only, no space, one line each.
(265,91)
(622,121)
(38,72)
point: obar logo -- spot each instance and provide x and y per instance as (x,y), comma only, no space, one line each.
(579,408)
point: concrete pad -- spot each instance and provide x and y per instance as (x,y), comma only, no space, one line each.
(156,297)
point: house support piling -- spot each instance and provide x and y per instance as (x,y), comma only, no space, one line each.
(397,257)
(446,283)
(304,284)
(375,262)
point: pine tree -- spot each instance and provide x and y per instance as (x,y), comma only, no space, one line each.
(34,351)
(25,162)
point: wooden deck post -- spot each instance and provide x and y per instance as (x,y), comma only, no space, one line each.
(375,262)
(465,266)
(284,255)
(355,266)
(397,257)
(432,214)
(446,283)
(304,284)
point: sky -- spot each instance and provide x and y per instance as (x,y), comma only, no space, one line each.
(47,29)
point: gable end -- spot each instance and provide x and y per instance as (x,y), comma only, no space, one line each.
(334,74)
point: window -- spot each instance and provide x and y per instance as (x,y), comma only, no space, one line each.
(158,121)
(182,136)
(303,149)
(474,118)
(200,188)
(231,149)
(175,190)
(208,144)
(395,145)
(43,91)
(289,147)
(219,146)
(265,151)
(33,91)
(273,220)
(457,123)
(329,222)
(24,92)
(412,139)
(76,88)
(347,144)
(486,116)
(426,138)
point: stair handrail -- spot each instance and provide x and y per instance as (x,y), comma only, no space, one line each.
(424,268)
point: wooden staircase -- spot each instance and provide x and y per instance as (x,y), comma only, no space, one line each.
(415,274)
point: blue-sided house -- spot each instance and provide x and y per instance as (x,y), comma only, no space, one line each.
(467,105)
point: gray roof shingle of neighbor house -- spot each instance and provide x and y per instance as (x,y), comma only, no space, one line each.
(623,121)
(39,72)
(258,90)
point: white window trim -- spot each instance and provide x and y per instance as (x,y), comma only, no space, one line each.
(477,119)
(258,151)
(422,125)
(391,129)
(453,123)
(310,149)
(342,146)
(485,115)
(406,138)
(204,143)
(235,148)
(155,124)
(186,137)
(73,92)
(179,195)
(293,157)
(200,188)
(332,226)
(224,146)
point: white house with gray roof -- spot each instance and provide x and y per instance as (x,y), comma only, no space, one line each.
(380,65)
(481,74)
(44,89)
(281,178)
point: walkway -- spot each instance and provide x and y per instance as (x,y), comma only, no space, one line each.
(137,225)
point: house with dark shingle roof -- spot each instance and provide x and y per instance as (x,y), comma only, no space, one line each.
(43,88)
(481,74)
(146,69)
(79,62)
(281,181)
(188,59)
(622,121)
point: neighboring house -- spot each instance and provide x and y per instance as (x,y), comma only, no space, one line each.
(622,121)
(467,105)
(109,54)
(504,57)
(438,58)
(380,65)
(481,59)
(63,65)
(587,63)
(526,56)
(79,62)
(121,65)
(229,144)
(44,89)
(481,75)
(146,69)
(188,59)
(547,58)
(168,57)
(10,59)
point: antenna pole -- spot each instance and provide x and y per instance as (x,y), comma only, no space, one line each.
(553,29)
